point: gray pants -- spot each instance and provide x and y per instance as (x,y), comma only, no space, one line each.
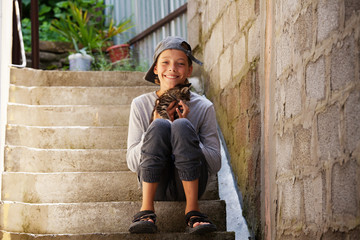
(170,153)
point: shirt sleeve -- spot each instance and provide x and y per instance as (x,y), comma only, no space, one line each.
(135,138)
(209,141)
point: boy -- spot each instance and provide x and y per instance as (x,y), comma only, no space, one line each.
(172,158)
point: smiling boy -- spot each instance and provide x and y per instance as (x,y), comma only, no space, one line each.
(173,159)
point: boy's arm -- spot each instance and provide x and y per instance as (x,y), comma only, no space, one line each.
(135,139)
(209,141)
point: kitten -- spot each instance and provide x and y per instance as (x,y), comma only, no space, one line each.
(177,93)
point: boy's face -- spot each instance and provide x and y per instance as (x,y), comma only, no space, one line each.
(172,68)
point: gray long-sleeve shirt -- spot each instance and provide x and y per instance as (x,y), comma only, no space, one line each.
(201,115)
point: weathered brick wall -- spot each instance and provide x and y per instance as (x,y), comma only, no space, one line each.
(314,108)
(227,36)
(317,119)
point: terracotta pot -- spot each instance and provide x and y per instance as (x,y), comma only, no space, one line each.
(119,52)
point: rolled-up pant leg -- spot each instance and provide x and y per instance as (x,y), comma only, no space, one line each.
(189,159)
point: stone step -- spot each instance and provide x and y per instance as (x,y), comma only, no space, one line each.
(34,77)
(118,236)
(70,187)
(76,115)
(78,187)
(67,137)
(25,159)
(101,217)
(76,95)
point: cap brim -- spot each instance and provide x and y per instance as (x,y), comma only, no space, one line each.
(150,75)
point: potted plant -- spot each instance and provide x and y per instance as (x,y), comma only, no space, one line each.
(78,28)
(80,61)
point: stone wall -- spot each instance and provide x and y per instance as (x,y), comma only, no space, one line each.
(226,35)
(315,108)
(317,119)
(53,55)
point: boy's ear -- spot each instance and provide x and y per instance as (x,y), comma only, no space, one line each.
(190,71)
(155,70)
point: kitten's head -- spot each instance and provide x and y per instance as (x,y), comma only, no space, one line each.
(180,92)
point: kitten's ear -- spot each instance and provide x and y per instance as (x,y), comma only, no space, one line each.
(184,90)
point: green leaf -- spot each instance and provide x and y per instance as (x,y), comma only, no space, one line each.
(63,4)
(44,9)
(26,2)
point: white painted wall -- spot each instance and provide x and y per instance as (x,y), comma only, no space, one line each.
(5,60)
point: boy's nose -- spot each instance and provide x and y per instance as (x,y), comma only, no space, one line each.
(172,67)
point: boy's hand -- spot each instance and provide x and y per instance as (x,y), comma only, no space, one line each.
(171,110)
(184,110)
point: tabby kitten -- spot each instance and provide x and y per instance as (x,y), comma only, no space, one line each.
(177,93)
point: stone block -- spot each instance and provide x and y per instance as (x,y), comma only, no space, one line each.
(254,40)
(291,199)
(328,125)
(255,130)
(225,68)
(257,7)
(352,121)
(241,132)
(292,96)
(279,99)
(239,55)
(315,79)
(205,19)
(245,93)
(302,147)
(55,47)
(303,31)
(313,199)
(333,235)
(345,189)
(354,234)
(192,9)
(328,18)
(284,148)
(351,7)
(283,52)
(232,105)
(289,7)
(214,46)
(214,11)
(230,23)
(343,64)
(246,11)
(194,31)
(214,78)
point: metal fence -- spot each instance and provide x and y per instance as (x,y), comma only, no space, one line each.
(144,14)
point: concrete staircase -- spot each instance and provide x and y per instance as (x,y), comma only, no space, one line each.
(65,173)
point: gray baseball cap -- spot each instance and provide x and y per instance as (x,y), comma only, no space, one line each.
(169,43)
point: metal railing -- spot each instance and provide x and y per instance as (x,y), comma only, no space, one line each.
(22,48)
(153,20)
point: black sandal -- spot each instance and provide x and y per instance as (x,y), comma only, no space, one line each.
(141,223)
(193,217)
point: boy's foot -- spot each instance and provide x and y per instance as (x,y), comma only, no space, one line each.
(143,222)
(198,223)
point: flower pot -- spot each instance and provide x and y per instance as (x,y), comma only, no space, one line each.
(119,52)
(80,62)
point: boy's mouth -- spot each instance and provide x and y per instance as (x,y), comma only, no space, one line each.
(171,76)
